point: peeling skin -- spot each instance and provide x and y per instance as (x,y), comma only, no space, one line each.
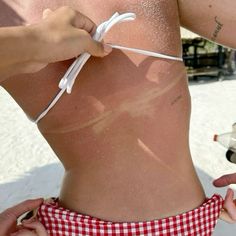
(156,14)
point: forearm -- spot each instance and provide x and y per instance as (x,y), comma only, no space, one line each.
(214,20)
(17,50)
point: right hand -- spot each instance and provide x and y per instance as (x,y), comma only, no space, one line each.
(64,34)
(31,227)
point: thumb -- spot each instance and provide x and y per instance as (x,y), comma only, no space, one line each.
(46,13)
(98,49)
(229,204)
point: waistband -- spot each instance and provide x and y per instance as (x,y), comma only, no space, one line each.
(199,221)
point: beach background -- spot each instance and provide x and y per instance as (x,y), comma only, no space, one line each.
(29,168)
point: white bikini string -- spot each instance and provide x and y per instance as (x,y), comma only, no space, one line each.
(67,82)
(147,53)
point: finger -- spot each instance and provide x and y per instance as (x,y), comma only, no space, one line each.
(46,13)
(98,49)
(229,204)
(225,180)
(23,207)
(83,22)
(37,226)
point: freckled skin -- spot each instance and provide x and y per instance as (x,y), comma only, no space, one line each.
(122,135)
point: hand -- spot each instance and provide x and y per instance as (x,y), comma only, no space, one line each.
(64,34)
(225,180)
(8,220)
(229,209)
(229,213)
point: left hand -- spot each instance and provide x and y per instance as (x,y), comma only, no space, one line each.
(8,220)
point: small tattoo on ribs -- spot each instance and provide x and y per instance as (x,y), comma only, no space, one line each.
(176,100)
(218,28)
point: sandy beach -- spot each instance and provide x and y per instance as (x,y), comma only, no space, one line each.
(30,169)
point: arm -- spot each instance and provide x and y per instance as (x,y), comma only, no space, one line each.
(214,20)
(62,35)
(16,49)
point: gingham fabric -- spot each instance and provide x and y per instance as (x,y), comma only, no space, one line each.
(200,221)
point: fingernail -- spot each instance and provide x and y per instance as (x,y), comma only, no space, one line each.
(107,48)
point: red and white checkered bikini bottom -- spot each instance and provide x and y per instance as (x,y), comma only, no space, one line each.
(200,221)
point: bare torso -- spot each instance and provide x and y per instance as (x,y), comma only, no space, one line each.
(122,135)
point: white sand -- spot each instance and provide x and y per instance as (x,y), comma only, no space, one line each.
(30,169)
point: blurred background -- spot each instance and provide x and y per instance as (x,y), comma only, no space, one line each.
(206,59)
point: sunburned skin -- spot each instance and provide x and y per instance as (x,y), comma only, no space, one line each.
(123,133)
(133,107)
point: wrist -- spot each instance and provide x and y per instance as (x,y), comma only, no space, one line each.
(18,48)
(31,44)
(30,48)
(42,43)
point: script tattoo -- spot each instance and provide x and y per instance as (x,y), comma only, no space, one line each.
(176,100)
(218,28)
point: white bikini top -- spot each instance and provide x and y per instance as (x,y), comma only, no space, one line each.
(67,82)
